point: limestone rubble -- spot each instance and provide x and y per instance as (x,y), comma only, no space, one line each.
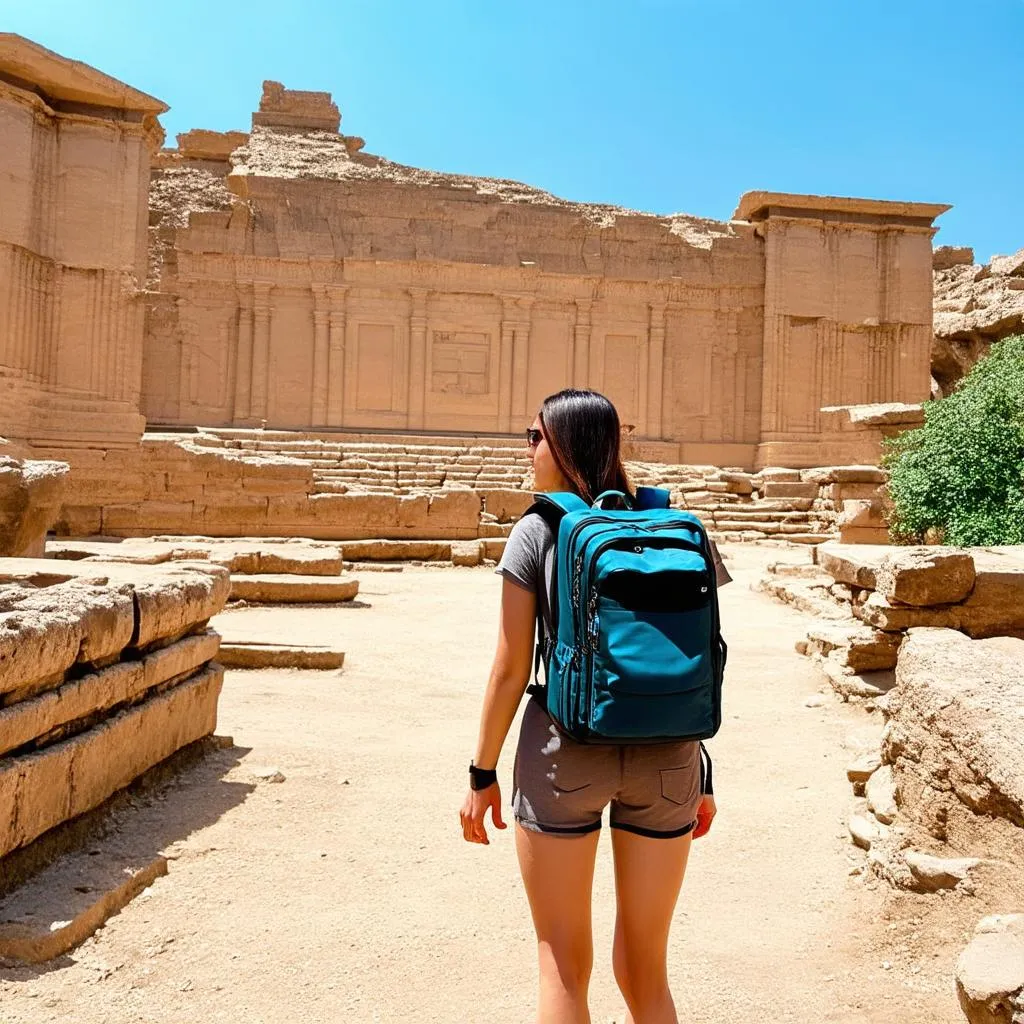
(975,305)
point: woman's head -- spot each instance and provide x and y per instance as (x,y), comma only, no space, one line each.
(577,445)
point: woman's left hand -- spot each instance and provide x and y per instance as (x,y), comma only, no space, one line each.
(474,808)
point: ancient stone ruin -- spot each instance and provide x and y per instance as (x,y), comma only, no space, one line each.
(974,307)
(250,369)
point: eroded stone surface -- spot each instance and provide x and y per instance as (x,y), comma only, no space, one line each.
(31,493)
(954,740)
(925,576)
(990,971)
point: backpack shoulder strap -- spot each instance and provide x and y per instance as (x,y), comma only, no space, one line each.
(551,508)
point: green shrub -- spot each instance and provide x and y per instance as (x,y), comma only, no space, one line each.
(962,473)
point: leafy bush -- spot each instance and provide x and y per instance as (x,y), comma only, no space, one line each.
(961,474)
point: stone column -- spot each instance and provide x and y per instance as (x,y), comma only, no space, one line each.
(506,349)
(321,356)
(655,369)
(336,356)
(262,311)
(243,362)
(581,344)
(417,357)
(520,358)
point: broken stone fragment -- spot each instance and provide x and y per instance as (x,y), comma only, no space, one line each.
(860,770)
(937,873)
(881,793)
(990,971)
(925,576)
(865,830)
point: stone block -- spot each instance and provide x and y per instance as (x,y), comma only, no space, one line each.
(838,493)
(877,611)
(855,565)
(35,717)
(30,499)
(954,740)
(926,576)
(506,504)
(467,553)
(995,606)
(291,589)
(397,551)
(179,659)
(845,475)
(493,549)
(776,474)
(863,535)
(789,489)
(175,600)
(990,971)
(245,654)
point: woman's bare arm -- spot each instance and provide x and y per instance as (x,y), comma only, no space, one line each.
(510,671)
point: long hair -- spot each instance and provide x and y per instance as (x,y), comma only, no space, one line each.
(583,432)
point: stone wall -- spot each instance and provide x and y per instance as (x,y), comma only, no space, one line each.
(75,166)
(104,672)
(316,286)
(237,483)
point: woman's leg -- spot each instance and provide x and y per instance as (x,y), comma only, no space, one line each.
(559,873)
(648,875)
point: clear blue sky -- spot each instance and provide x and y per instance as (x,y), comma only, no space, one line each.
(661,105)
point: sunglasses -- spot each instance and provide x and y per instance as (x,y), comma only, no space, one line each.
(533,437)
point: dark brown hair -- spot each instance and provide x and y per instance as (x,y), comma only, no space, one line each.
(583,432)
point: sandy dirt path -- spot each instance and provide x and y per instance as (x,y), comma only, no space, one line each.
(345,893)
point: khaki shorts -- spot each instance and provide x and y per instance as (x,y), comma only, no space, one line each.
(561,787)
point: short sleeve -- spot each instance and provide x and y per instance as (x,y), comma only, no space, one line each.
(721,573)
(523,560)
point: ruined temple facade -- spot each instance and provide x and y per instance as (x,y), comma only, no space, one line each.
(314,286)
(75,148)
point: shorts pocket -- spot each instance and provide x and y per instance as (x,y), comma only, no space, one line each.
(680,785)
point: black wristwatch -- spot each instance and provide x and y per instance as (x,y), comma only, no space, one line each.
(481,778)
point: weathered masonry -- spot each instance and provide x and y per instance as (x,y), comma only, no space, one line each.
(75,149)
(318,287)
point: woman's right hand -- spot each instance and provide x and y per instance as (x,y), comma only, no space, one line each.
(473,810)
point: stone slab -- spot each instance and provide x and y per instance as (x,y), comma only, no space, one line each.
(39,791)
(855,564)
(380,550)
(954,736)
(289,589)
(37,718)
(246,654)
(926,576)
(66,903)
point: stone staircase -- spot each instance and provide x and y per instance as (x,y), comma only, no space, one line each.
(734,504)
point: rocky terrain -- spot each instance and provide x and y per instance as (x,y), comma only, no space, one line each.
(975,305)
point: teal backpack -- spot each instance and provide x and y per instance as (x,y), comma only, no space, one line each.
(638,654)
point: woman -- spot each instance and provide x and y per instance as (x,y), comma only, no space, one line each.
(560,786)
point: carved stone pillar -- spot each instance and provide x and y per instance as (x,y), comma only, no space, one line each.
(321,356)
(521,358)
(655,369)
(581,344)
(505,365)
(243,364)
(417,357)
(336,356)
(262,311)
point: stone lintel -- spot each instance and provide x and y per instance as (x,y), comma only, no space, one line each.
(759,206)
(62,82)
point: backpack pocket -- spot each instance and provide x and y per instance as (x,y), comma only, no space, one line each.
(647,652)
(653,672)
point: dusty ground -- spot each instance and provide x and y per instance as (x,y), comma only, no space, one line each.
(345,893)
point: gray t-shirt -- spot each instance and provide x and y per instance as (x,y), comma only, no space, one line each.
(529,559)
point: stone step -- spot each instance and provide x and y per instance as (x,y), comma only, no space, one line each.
(272,588)
(252,654)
